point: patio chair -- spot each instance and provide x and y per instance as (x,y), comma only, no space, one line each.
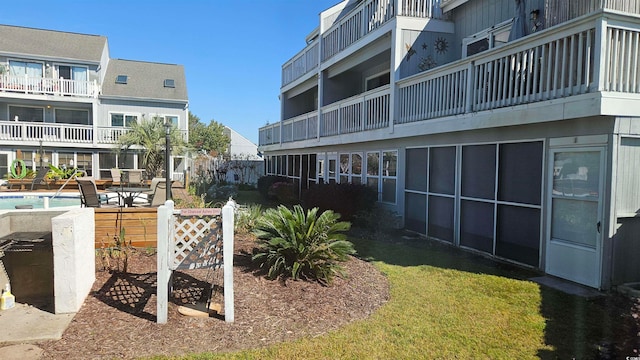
(40,177)
(159,194)
(90,196)
(115,176)
(152,189)
(132,177)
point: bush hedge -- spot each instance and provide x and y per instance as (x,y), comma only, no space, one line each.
(344,199)
(265,182)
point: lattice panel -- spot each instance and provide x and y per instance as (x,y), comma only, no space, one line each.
(198,242)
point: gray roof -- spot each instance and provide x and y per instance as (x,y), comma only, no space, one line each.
(50,43)
(145,80)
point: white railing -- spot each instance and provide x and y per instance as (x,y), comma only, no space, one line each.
(560,11)
(48,86)
(367,111)
(621,72)
(109,135)
(421,8)
(548,68)
(350,28)
(303,63)
(436,93)
(565,61)
(27,131)
(370,15)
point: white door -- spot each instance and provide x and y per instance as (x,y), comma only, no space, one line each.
(574,240)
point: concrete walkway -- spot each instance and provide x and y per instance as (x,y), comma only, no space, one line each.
(25,324)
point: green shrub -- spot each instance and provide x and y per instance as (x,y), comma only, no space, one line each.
(246,187)
(284,193)
(292,244)
(221,192)
(246,218)
(265,182)
(345,199)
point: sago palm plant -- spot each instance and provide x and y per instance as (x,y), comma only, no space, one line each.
(301,246)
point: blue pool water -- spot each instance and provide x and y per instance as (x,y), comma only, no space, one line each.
(37,201)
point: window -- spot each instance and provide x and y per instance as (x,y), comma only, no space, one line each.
(490,38)
(66,160)
(125,120)
(84,162)
(69,116)
(377,80)
(169,83)
(373,170)
(22,68)
(121,79)
(23,113)
(173,120)
(389,173)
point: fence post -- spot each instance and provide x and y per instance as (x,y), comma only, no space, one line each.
(165,243)
(227,256)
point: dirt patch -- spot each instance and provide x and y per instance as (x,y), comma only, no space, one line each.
(118,319)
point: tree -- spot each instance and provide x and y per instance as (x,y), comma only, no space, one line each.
(208,138)
(148,136)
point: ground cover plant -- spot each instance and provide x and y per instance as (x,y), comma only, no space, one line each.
(449,304)
(301,245)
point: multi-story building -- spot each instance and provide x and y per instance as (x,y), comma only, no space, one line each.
(64,101)
(509,128)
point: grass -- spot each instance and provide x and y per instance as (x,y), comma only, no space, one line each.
(450,304)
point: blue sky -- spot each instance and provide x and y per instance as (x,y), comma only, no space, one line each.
(232,50)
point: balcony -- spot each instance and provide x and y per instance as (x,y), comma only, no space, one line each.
(48,86)
(585,55)
(345,30)
(22,131)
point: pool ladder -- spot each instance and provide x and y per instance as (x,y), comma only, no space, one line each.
(73,176)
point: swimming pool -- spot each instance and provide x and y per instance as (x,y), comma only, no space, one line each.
(9,202)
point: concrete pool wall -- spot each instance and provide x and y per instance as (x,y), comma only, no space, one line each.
(73,234)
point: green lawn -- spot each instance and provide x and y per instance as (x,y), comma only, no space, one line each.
(450,304)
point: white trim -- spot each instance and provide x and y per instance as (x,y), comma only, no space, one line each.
(488,33)
(448,5)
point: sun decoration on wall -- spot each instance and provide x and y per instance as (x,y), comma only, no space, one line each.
(424,46)
(441,45)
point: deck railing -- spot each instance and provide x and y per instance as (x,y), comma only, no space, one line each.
(560,11)
(353,26)
(48,86)
(29,131)
(585,56)
(366,111)
(304,62)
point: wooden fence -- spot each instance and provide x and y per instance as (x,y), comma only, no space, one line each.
(139,224)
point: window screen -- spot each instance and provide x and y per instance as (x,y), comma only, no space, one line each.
(442,173)
(520,173)
(416,171)
(479,171)
(440,218)
(476,225)
(415,212)
(518,234)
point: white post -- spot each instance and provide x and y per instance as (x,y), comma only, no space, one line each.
(46,202)
(165,243)
(227,257)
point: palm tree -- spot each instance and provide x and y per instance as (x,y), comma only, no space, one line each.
(148,136)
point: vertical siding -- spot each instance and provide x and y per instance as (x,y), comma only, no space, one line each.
(475,16)
(627,191)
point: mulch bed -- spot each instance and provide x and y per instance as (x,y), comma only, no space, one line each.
(118,318)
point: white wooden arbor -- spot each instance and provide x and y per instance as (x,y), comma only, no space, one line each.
(189,250)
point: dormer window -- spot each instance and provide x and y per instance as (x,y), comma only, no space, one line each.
(169,83)
(121,79)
